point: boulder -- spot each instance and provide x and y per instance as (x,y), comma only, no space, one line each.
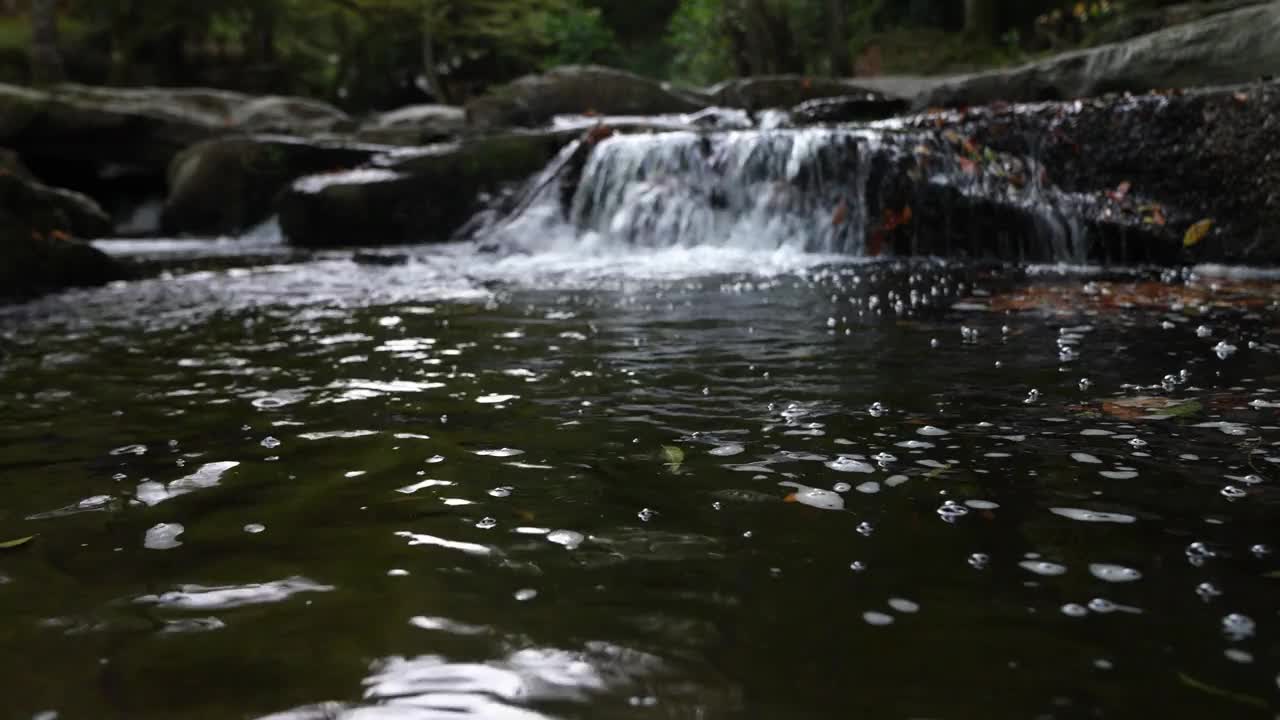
(784,91)
(1127,175)
(533,100)
(1233,47)
(38,252)
(414,125)
(97,128)
(423,195)
(229,184)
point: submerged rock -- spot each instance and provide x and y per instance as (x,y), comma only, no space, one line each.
(421,195)
(38,227)
(229,184)
(533,100)
(1233,47)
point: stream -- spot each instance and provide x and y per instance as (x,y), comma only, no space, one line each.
(697,481)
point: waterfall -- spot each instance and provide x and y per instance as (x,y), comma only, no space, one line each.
(853,190)
(799,189)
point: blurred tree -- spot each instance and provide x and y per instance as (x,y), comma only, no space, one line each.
(46,59)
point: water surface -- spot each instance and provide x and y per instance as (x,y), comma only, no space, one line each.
(687,483)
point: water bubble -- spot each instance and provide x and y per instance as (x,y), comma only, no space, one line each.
(501,492)
(877,410)
(1102,606)
(1093,516)
(848,464)
(903,605)
(878,619)
(934,343)
(1044,568)
(857,566)
(1260,551)
(884,458)
(979,561)
(1169,383)
(1138,443)
(1208,591)
(1074,610)
(1114,573)
(568,538)
(1204,331)
(1198,554)
(1085,384)
(931,431)
(255,528)
(952,511)
(270,442)
(130,450)
(982,504)
(1032,397)
(487,523)
(526,594)
(842,487)
(646,515)
(397,572)
(869,488)
(1224,350)
(1238,656)
(1238,627)
(865,529)
(727,450)
(1231,492)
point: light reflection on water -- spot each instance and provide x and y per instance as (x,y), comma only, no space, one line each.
(690,483)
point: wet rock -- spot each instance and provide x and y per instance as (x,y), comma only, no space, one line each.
(1234,47)
(1139,171)
(785,91)
(414,125)
(229,184)
(423,195)
(142,128)
(38,252)
(533,100)
(848,108)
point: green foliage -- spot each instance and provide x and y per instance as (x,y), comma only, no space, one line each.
(579,35)
(701,52)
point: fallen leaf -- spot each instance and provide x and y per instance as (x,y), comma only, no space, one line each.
(673,455)
(1196,233)
(11,544)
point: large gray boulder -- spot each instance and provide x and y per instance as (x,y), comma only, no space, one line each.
(1233,47)
(533,100)
(39,225)
(142,128)
(785,91)
(229,184)
(423,195)
(414,125)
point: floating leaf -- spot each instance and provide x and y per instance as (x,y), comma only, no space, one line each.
(1204,687)
(1196,233)
(1136,408)
(11,544)
(673,455)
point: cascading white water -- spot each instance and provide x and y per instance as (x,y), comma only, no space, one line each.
(801,189)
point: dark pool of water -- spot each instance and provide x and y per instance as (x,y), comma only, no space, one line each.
(680,485)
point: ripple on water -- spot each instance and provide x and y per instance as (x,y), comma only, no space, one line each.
(207,476)
(1092,516)
(200,597)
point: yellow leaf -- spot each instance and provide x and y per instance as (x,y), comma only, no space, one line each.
(1196,233)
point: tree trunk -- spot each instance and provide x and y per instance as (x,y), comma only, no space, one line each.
(838,38)
(46,60)
(980,19)
(429,64)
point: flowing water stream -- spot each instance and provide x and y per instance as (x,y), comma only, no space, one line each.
(674,458)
